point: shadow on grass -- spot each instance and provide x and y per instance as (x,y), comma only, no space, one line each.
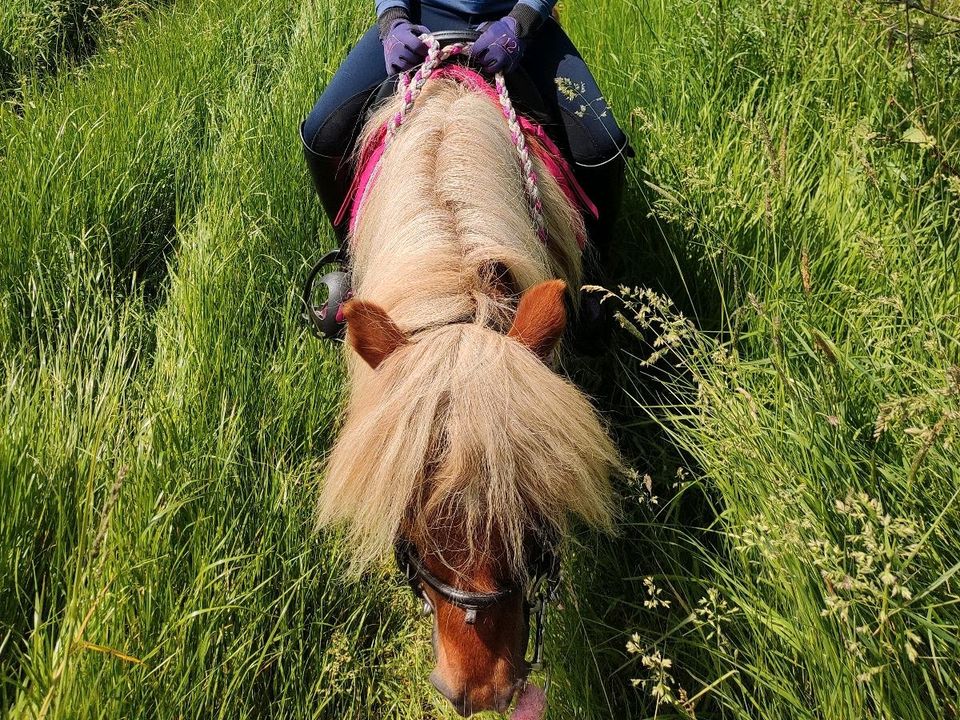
(663,512)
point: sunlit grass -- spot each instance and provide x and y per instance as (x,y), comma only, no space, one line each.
(41,37)
(164,414)
(164,411)
(803,180)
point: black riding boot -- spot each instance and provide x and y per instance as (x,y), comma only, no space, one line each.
(604,186)
(331,178)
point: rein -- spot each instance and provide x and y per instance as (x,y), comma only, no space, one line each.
(326,320)
(412,86)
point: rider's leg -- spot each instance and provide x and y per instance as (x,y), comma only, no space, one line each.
(589,131)
(333,126)
(329,132)
(590,135)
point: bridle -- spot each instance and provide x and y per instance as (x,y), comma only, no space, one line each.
(538,592)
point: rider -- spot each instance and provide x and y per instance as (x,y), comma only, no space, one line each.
(514,35)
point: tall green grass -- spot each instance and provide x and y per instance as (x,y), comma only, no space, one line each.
(799,162)
(40,37)
(165,415)
(164,411)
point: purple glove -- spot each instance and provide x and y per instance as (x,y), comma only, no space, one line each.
(402,46)
(500,47)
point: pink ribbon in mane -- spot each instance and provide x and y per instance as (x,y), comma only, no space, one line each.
(542,147)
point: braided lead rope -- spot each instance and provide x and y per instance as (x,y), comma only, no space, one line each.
(529,174)
(411,87)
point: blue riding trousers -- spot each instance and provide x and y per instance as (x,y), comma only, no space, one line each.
(581,122)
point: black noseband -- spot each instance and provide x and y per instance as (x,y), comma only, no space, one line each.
(415,572)
(541,590)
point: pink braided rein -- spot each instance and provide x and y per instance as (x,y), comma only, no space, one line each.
(411,87)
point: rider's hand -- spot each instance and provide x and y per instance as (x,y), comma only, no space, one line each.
(402,47)
(499,47)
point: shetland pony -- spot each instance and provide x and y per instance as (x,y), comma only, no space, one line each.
(458,436)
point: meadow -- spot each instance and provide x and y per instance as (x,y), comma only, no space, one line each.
(786,383)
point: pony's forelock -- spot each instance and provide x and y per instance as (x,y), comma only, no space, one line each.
(466,430)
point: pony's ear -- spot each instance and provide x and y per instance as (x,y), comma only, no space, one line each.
(541,317)
(371,332)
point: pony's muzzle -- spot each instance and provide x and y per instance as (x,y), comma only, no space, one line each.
(455,698)
(464,702)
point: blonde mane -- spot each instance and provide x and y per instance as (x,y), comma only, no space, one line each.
(463,428)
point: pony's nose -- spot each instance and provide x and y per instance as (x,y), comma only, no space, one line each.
(478,699)
(502,701)
(456,698)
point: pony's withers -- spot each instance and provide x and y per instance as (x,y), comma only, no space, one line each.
(462,427)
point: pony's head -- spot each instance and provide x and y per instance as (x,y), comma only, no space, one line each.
(481,617)
(463,445)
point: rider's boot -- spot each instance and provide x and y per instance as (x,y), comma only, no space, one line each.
(604,186)
(331,178)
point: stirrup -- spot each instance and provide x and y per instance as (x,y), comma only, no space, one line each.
(327,320)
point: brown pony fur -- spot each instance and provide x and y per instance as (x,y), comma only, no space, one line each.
(460,425)
(372,333)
